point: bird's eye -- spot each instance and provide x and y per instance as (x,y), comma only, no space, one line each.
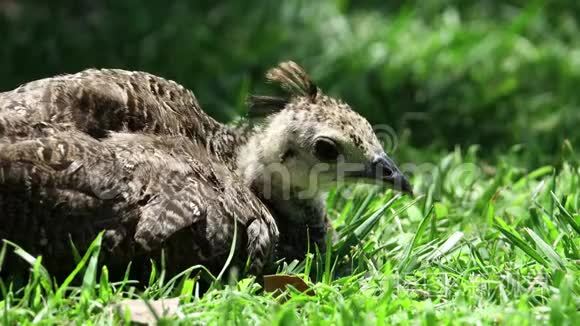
(326,150)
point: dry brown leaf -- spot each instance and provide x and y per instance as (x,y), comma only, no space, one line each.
(279,283)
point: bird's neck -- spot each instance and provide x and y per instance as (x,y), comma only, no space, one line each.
(264,174)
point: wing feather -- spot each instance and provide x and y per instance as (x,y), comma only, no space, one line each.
(166,215)
(96,101)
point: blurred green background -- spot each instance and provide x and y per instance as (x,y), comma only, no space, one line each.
(441,73)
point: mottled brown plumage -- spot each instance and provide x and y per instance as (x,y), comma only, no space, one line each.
(134,155)
(145,191)
(98,101)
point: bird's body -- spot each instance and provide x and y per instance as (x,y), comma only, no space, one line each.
(133,155)
(145,191)
(129,153)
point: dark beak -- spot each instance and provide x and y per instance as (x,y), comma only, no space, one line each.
(384,171)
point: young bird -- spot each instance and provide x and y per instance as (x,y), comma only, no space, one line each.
(308,143)
(133,155)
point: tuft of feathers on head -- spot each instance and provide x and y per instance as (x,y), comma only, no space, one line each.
(291,78)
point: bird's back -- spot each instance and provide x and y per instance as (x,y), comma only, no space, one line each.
(98,100)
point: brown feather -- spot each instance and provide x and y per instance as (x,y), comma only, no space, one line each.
(290,77)
(293,79)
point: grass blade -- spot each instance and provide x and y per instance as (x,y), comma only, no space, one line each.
(446,246)
(516,240)
(545,248)
(567,216)
(231,253)
(96,244)
(416,237)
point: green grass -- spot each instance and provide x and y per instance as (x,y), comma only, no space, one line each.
(482,245)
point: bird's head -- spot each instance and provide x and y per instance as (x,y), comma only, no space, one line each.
(310,141)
